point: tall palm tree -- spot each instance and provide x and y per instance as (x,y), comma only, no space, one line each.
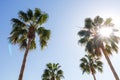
(52,72)
(90,64)
(24,31)
(96,43)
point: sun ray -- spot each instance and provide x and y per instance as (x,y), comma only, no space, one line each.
(10,50)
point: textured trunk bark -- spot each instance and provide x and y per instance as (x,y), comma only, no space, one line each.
(110,64)
(24,61)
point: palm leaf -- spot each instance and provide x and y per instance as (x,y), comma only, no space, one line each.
(42,19)
(17,23)
(23,44)
(30,14)
(23,16)
(84,33)
(33,44)
(88,23)
(37,13)
(44,36)
(98,20)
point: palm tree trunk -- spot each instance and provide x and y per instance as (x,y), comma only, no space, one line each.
(53,78)
(93,74)
(24,60)
(110,64)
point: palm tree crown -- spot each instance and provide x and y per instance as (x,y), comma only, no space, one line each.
(93,41)
(26,26)
(90,64)
(52,72)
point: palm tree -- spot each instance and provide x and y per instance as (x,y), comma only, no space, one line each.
(95,43)
(24,31)
(52,72)
(90,64)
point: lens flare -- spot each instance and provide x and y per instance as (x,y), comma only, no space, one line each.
(10,49)
(105,31)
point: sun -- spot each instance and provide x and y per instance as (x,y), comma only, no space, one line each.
(105,31)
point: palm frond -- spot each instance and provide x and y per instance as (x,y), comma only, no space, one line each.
(23,16)
(60,73)
(30,14)
(44,33)
(42,19)
(49,66)
(44,36)
(23,44)
(84,60)
(33,44)
(88,23)
(90,47)
(84,33)
(37,13)
(13,39)
(17,23)
(83,40)
(108,22)
(98,20)
(100,69)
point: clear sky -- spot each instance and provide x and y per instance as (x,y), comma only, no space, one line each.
(66,17)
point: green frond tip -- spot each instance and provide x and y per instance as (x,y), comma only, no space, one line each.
(37,13)
(30,14)
(43,18)
(23,16)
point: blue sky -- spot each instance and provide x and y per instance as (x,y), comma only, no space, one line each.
(65,19)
